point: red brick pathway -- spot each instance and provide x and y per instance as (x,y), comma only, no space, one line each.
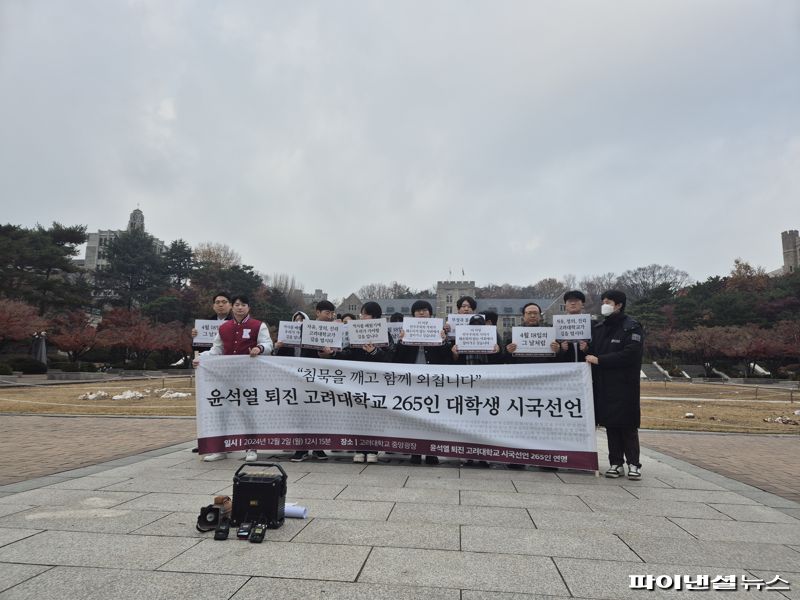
(768,462)
(33,446)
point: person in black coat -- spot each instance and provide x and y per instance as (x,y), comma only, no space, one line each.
(369,353)
(615,354)
(430,355)
(572,351)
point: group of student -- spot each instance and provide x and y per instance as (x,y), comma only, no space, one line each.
(614,352)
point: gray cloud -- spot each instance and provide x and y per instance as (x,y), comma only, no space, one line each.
(353,142)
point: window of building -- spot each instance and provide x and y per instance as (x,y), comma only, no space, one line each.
(508,309)
(508,322)
(404,309)
(449,299)
(449,310)
(352,307)
(492,308)
(390,309)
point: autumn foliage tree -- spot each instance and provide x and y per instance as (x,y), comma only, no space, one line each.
(73,333)
(19,321)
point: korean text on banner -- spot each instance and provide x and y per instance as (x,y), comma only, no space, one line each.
(422,332)
(322,334)
(368,331)
(573,327)
(533,341)
(206,331)
(290,333)
(525,414)
(476,339)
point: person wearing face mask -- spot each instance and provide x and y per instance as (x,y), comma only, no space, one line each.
(615,354)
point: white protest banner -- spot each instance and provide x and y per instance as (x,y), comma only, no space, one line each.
(322,334)
(290,333)
(524,414)
(206,331)
(533,341)
(573,327)
(368,331)
(422,332)
(456,319)
(394,331)
(476,339)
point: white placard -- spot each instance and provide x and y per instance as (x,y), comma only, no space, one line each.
(368,331)
(533,341)
(456,319)
(322,334)
(476,339)
(394,331)
(206,331)
(573,327)
(422,332)
(524,414)
(290,333)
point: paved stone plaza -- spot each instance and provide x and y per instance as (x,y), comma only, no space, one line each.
(125,529)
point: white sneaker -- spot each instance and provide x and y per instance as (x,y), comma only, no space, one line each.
(214,456)
(615,471)
(634,472)
(358,457)
(372,458)
(251,456)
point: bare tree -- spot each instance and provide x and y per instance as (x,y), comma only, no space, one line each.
(382,291)
(548,288)
(594,285)
(641,282)
(220,255)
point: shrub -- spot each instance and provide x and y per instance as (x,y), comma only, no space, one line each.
(28,365)
(70,367)
(5,369)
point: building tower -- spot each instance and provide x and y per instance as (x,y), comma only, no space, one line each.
(791,251)
(136,220)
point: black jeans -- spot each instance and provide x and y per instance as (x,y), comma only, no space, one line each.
(623,444)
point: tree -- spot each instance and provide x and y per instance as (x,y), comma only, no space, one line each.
(179,263)
(383,291)
(74,333)
(594,285)
(210,278)
(642,281)
(36,265)
(135,273)
(19,321)
(221,255)
(548,288)
(744,277)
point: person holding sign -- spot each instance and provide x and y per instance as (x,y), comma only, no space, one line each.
(615,354)
(475,358)
(531,317)
(280,349)
(240,335)
(325,312)
(221,305)
(423,355)
(369,353)
(222,312)
(465,305)
(575,350)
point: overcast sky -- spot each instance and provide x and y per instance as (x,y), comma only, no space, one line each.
(356,142)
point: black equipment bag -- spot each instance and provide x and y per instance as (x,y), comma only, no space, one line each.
(259,495)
